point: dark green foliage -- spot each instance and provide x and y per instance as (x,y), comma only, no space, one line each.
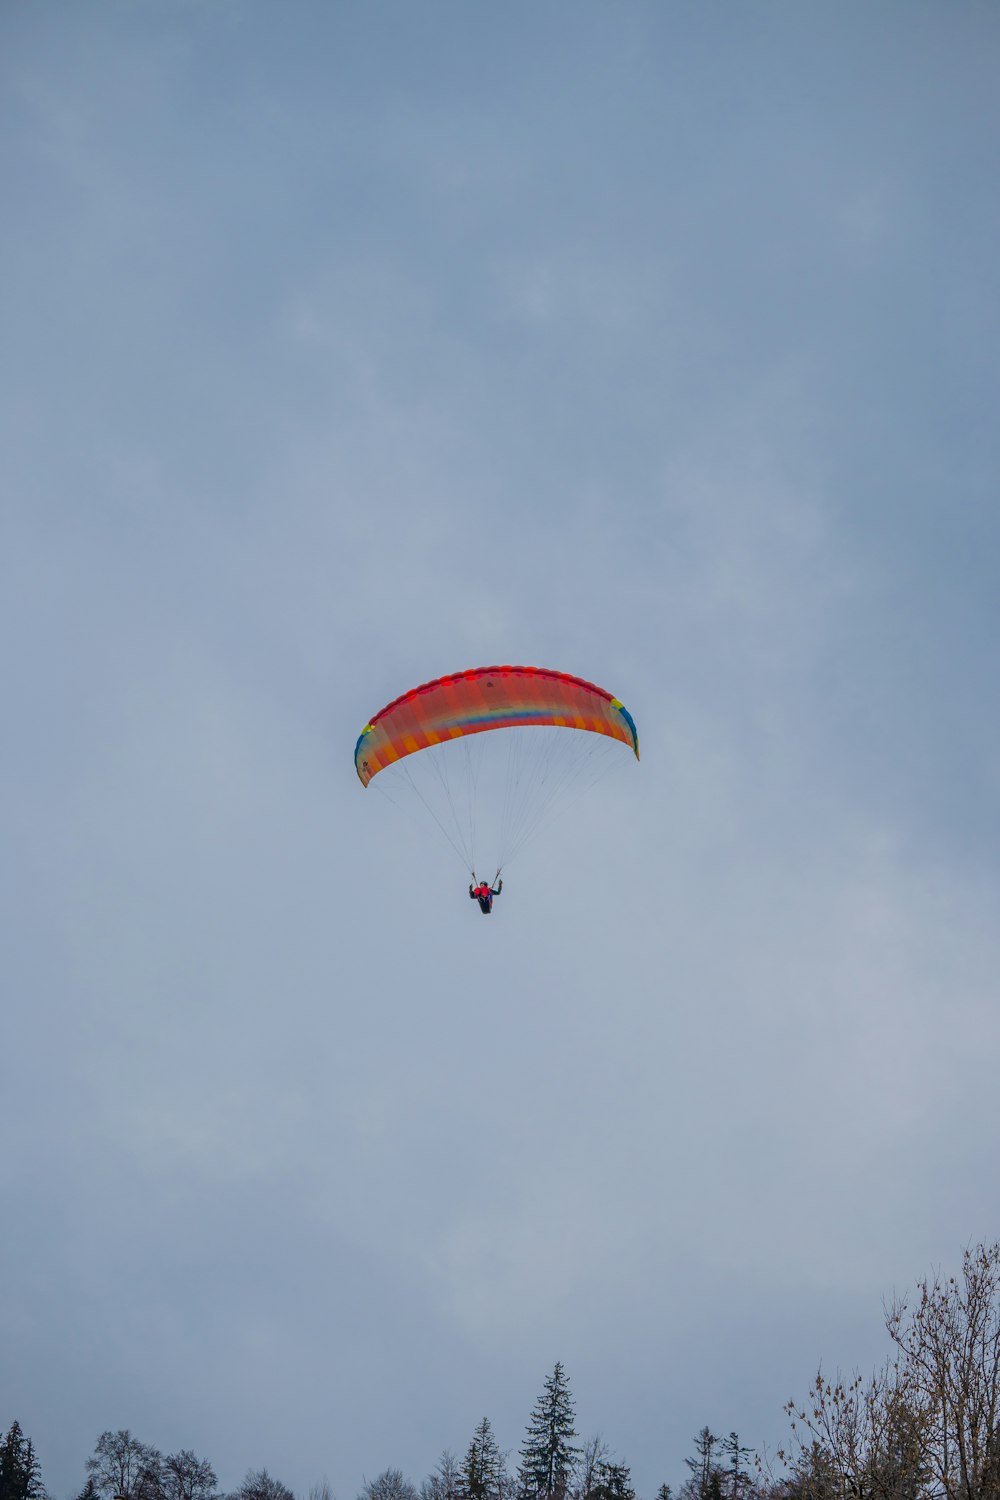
(706,1481)
(614,1483)
(738,1480)
(20,1476)
(484,1472)
(549,1456)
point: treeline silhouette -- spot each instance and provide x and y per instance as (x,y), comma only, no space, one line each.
(923,1426)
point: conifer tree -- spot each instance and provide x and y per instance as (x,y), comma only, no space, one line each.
(549,1456)
(615,1483)
(484,1472)
(706,1474)
(20,1476)
(739,1482)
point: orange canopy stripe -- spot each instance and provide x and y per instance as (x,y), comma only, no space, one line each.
(486,698)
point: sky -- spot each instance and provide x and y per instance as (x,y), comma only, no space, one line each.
(346,346)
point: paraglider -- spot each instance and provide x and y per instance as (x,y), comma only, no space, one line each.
(484,893)
(497,744)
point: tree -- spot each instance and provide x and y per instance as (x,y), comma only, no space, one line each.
(862,1440)
(614,1483)
(389,1485)
(20,1474)
(949,1345)
(927,1424)
(259,1485)
(484,1468)
(122,1466)
(598,1477)
(445,1483)
(594,1455)
(548,1458)
(185,1477)
(739,1483)
(705,1482)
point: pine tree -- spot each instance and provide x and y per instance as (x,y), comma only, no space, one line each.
(484,1472)
(615,1483)
(739,1483)
(548,1457)
(20,1477)
(706,1475)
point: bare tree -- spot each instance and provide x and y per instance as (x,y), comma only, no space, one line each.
(858,1440)
(389,1485)
(949,1342)
(186,1477)
(446,1482)
(594,1455)
(926,1426)
(122,1466)
(259,1485)
(321,1491)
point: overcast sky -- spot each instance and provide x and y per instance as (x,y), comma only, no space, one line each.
(347,345)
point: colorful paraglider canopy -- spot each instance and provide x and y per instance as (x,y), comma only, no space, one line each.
(487,698)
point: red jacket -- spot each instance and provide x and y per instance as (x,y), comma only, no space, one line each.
(484,895)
